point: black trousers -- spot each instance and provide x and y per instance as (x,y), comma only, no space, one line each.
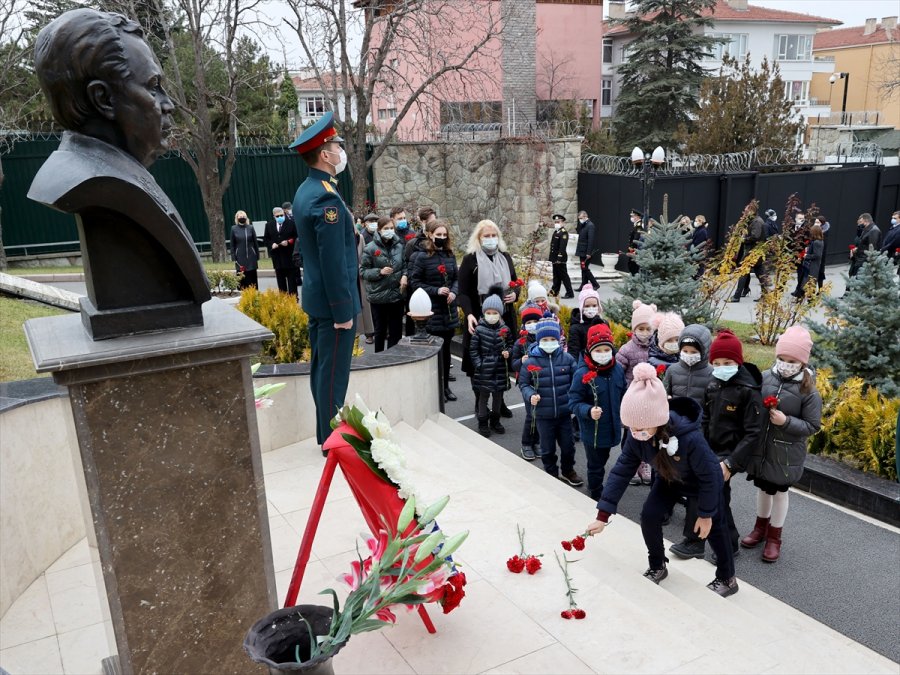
(496,403)
(445,353)
(759,269)
(388,319)
(286,277)
(561,278)
(660,502)
(587,277)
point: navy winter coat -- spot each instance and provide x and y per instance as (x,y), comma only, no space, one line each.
(553,381)
(698,466)
(610,387)
(578,330)
(426,275)
(485,349)
(734,415)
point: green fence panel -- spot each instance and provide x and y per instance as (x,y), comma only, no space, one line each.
(263,177)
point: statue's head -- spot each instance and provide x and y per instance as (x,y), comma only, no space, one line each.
(101,79)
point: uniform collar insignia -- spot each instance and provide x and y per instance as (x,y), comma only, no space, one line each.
(333,180)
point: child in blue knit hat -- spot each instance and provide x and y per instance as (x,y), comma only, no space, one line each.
(489,351)
(545,380)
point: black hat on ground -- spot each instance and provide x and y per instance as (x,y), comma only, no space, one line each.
(559,216)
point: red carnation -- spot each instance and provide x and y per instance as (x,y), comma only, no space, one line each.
(630,335)
(515,564)
(504,332)
(660,370)
(588,377)
(566,614)
(513,284)
(409,236)
(771,402)
(578,543)
(532,564)
(852,247)
(578,613)
(534,369)
(377,251)
(453,592)
(567,545)
(521,282)
(897,251)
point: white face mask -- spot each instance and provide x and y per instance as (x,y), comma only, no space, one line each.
(690,359)
(342,161)
(602,357)
(387,235)
(582,220)
(641,435)
(492,318)
(550,347)
(786,369)
(590,312)
(490,243)
(371,227)
(671,347)
(556,226)
(531,327)
(696,223)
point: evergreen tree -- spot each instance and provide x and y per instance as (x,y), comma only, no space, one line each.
(662,74)
(666,278)
(861,336)
(742,109)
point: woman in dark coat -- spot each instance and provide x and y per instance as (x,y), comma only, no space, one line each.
(486,264)
(811,262)
(434,270)
(244,249)
(383,270)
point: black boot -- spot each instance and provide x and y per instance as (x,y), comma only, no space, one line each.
(483,427)
(496,426)
(449,395)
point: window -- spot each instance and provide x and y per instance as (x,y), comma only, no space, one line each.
(588,104)
(793,47)
(313,106)
(386,114)
(471,112)
(606,91)
(736,45)
(797,91)
(607,50)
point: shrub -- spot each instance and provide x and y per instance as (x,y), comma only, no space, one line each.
(280,313)
(621,334)
(859,426)
(224,280)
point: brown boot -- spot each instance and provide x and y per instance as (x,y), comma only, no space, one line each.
(773,545)
(757,534)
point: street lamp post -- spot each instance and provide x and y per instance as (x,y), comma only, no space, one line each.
(846,78)
(648,164)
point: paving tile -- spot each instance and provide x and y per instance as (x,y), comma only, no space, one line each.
(553,659)
(74,598)
(29,618)
(40,657)
(79,554)
(83,650)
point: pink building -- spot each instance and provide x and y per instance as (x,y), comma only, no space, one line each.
(549,51)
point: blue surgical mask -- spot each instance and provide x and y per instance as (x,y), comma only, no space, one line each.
(894,221)
(387,235)
(402,224)
(725,373)
(490,244)
(550,346)
(279,219)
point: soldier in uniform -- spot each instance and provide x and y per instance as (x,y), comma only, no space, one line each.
(327,243)
(635,237)
(558,257)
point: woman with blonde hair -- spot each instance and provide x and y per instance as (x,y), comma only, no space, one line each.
(485,266)
(244,249)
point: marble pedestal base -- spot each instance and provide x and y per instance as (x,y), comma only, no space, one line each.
(169,446)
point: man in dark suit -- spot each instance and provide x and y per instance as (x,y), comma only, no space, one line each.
(279,239)
(558,256)
(297,262)
(327,242)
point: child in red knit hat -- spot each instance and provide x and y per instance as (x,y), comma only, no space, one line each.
(733,413)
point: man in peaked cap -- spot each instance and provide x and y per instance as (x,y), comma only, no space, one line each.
(558,256)
(327,243)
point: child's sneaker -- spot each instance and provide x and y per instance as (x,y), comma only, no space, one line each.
(723,588)
(645,473)
(528,453)
(635,479)
(689,548)
(656,575)
(572,479)
(484,429)
(497,427)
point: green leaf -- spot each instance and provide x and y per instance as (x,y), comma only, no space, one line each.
(432,511)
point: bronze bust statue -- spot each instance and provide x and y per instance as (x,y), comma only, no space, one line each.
(104,86)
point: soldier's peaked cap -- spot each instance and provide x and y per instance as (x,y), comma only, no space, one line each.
(317,135)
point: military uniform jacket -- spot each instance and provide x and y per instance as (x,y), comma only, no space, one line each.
(558,243)
(327,243)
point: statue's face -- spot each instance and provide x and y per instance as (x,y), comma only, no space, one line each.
(143,110)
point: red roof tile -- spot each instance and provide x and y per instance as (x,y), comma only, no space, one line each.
(852,37)
(724,12)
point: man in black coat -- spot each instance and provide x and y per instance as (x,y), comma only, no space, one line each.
(558,257)
(297,260)
(279,239)
(587,246)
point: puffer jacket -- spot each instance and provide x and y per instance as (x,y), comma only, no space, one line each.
(697,465)
(485,349)
(657,356)
(551,382)
(578,331)
(609,384)
(733,417)
(519,349)
(784,447)
(691,381)
(378,253)
(413,243)
(630,354)
(425,275)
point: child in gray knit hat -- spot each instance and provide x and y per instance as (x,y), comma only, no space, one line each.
(489,350)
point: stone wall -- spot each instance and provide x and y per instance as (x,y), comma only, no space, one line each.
(514,182)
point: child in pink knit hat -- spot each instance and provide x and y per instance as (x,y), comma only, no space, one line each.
(664,347)
(667,433)
(635,351)
(794,409)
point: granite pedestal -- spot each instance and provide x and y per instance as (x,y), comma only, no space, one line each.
(169,446)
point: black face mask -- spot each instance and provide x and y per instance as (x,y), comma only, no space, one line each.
(242,221)
(440,243)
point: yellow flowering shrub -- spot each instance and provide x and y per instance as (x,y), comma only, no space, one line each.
(281,314)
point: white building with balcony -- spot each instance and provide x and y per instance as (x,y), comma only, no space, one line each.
(780,36)
(312,100)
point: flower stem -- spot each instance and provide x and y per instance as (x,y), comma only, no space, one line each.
(570,591)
